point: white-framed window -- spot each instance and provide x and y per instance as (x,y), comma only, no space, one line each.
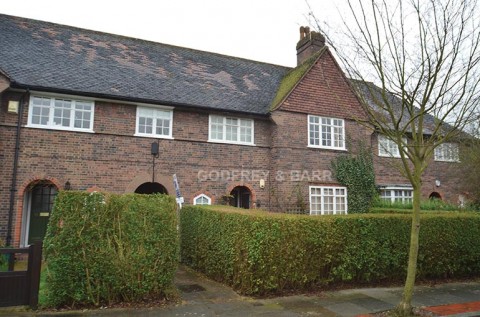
(202,199)
(154,122)
(328,200)
(447,152)
(387,147)
(396,194)
(61,114)
(231,130)
(328,133)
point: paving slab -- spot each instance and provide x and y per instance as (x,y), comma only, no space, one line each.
(201,296)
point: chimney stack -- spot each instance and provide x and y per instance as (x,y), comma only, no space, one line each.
(310,43)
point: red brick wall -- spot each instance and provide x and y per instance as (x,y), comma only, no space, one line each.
(295,166)
(114,160)
(387,172)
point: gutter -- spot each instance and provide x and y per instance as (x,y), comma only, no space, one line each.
(13,186)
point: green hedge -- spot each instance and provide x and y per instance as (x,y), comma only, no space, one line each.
(105,248)
(262,253)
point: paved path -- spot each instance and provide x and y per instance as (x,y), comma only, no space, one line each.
(203,297)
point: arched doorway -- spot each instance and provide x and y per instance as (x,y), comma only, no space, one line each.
(39,198)
(435,195)
(151,188)
(241,197)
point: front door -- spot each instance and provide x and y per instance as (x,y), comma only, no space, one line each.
(41,203)
(245,199)
(241,197)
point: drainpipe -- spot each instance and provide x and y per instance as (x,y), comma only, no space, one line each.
(13,186)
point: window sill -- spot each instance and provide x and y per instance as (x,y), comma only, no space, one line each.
(319,213)
(447,161)
(153,136)
(231,142)
(58,128)
(390,156)
(327,148)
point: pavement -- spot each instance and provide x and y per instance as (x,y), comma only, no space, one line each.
(203,297)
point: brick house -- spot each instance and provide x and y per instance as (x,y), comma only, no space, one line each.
(85,110)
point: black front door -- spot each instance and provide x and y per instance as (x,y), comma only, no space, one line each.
(41,204)
(241,197)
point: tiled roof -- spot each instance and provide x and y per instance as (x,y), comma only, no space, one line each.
(372,95)
(292,78)
(47,56)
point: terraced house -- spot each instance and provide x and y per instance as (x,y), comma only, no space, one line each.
(85,110)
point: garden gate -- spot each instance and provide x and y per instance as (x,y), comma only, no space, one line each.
(21,287)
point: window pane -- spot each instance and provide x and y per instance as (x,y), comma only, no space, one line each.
(163,127)
(216,128)
(246,131)
(231,129)
(145,112)
(338,137)
(328,205)
(340,205)
(231,133)
(314,131)
(145,125)
(217,119)
(61,113)
(82,115)
(216,131)
(326,132)
(164,114)
(40,110)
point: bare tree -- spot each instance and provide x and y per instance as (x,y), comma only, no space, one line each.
(415,65)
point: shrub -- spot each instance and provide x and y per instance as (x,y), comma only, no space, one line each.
(430,204)
(260,253)
(104,248)
(357,174)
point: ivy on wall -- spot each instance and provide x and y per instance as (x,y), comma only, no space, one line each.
(357,174)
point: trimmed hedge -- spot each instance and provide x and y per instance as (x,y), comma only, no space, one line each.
(260,253)
(105,248)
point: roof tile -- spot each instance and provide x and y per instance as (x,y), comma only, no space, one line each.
(57,57)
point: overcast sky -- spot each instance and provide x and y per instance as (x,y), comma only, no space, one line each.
(262,30)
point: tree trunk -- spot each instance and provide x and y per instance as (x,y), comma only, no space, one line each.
(405,306)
